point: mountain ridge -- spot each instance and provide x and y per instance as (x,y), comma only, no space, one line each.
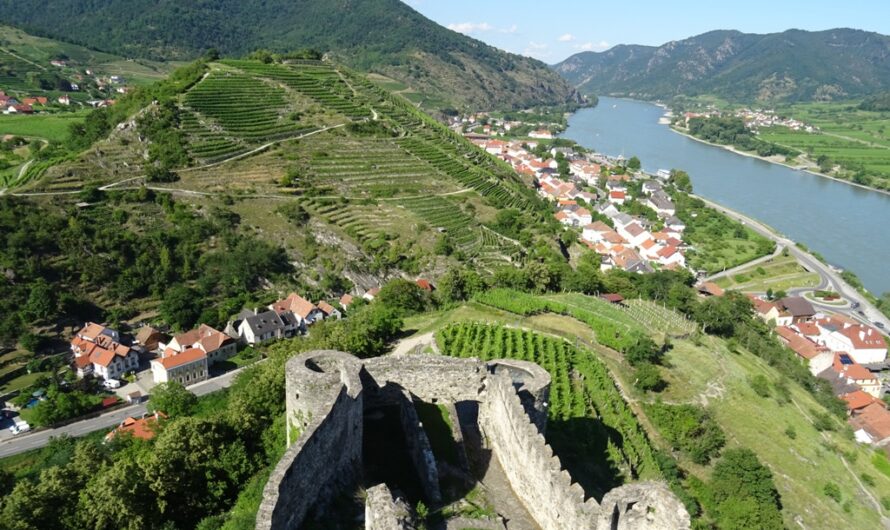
(794,65)
(383,36)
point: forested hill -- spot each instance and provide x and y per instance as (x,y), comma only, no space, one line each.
(793,65)
(385,36)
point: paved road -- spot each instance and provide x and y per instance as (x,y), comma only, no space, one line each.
(829,278)
(37,439)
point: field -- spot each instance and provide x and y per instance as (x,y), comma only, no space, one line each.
(779,274)
(706,372)
(53,127)
(853,138)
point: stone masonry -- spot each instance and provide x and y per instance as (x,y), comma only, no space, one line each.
(327,392)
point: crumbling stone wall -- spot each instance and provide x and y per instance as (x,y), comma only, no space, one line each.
(419,448)
(534,472)
(642,506)
(326,398)
(384,512)
(325,410)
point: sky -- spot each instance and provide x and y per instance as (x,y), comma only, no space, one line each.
(552,30)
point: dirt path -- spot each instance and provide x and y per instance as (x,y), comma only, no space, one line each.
(416,344)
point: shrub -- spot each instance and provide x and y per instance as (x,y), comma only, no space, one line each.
(760,385)
(648,378)
(832,490)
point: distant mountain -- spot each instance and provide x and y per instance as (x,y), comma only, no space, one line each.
(384,36)
(793,65)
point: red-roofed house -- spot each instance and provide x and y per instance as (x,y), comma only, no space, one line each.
(425,285)
(710,289)
(107,357)
(371,294)
(767,311)
(143,428)
(817,357)
(872,425)
(864,343)
(329,310)
(307,312)
(855,374)
(858,400)
(346,300)
(186,367)
(216,345)
(617,196)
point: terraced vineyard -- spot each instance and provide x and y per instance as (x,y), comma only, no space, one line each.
(370,167)
(229,113)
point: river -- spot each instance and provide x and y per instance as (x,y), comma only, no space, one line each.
(849,226)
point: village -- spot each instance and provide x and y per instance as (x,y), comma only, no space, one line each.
(754,119)
(88,82)
(128,366)
(593,197)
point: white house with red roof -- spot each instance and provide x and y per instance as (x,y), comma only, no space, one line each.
(634,234)
(187,367)
(216,345)
(98,349)
(617,196)
(854,373)
(307,312)
(864,343)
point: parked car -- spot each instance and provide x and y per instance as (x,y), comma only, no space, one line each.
(111,384)
(19,427)
(854,305)
(879,325)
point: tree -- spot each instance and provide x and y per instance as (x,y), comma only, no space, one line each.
(681,180)
(760,385)
(117,498)
(196,466)
(742,492)
(43,302)
(181,306)
(172,399)
(404,296)
(648,378)
(642,351)
(634,164)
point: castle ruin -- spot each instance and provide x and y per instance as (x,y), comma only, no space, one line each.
(343,411)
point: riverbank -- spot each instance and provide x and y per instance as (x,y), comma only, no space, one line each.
(772,160)
(829,276)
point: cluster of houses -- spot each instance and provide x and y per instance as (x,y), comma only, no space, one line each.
(186,358)
(844,352)
(631,243)
(483,124)
(755,119)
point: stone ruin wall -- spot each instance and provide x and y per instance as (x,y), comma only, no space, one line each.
(325,403)
(328,412)
(534,472)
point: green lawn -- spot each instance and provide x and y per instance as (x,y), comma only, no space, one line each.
(52,127)
(779,274)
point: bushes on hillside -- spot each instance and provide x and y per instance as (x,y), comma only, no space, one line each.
(688,428)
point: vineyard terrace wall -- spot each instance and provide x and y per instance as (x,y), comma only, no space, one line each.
(328,390)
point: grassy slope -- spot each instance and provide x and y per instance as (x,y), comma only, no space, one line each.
(52,127)
(709,373)
(781,273)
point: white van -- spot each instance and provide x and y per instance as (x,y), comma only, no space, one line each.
(111,384)
(19,427)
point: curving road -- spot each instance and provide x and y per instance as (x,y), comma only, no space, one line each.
(828,277)
(38,439)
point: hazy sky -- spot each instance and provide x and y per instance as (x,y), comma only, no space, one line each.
(552,30)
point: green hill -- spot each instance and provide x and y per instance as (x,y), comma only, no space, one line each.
(793,65)
(26,68)
(313,137)
(383,36)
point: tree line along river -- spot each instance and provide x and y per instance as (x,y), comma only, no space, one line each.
(849,226)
